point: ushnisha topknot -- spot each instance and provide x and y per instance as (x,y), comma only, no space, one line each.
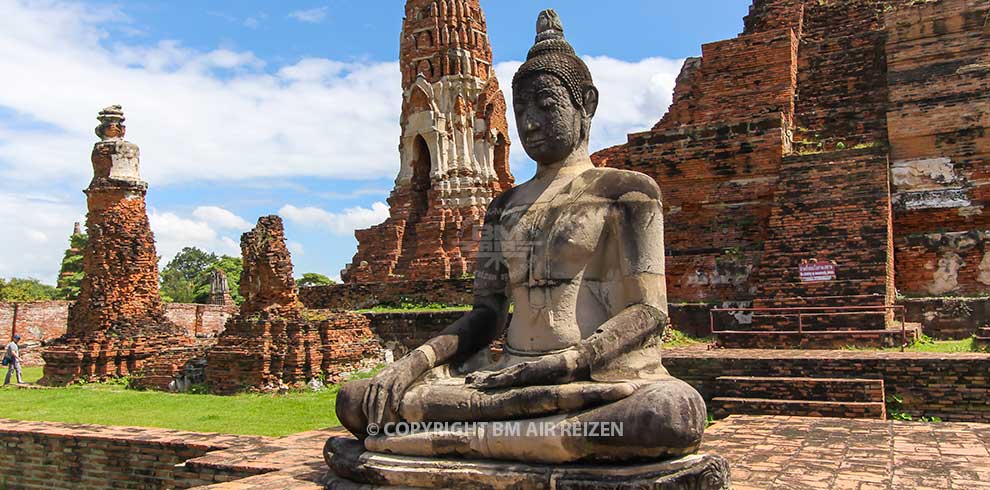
(554,55)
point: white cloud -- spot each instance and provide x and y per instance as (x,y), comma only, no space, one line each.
(221,218)
(343,223)
(226,110)
(220,115)
(297,249)
(313,15)
(173,233)
(189,110)
(36,233)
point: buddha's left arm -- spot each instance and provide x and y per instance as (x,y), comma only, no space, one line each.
(636,228)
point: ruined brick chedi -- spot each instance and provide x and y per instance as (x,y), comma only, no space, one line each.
(454,149)
(118,322)
(851,134)
(273,340)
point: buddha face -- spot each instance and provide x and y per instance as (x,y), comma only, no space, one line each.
(551,125)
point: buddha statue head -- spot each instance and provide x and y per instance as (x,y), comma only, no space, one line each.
(554,97)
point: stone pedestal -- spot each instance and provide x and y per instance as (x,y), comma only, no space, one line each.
(354,468)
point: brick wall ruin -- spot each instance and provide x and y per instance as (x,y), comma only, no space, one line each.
(41,321)
(359,296)
(454,149)
(850,135)
(273,340)
(938,119)
(46,455)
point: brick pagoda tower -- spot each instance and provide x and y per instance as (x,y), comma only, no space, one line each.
(831,152)
(454,149)
(118,321)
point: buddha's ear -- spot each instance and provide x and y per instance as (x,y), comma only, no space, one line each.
(590,101)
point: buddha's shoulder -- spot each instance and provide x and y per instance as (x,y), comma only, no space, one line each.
(614,183)
(502,201)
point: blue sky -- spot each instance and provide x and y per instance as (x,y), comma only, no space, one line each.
(249,107)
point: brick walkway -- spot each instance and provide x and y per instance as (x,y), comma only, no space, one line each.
(817,453)
(766,453)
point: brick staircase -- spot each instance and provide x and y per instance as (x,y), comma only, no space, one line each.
(800,397)
(837,337)
(981,339)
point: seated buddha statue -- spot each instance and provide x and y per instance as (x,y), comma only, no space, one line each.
(578,251)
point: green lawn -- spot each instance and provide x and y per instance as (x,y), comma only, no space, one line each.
(266,415)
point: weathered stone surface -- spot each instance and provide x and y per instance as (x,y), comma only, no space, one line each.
(454,149)
(118,321)
(348,457)
(273,341)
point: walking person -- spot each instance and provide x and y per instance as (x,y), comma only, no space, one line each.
(12,358)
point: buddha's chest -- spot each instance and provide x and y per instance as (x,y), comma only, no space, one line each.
(553,242)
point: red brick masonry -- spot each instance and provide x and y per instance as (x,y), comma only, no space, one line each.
(778,453)
(954,387)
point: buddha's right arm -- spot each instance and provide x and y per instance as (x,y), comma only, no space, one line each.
(471,333)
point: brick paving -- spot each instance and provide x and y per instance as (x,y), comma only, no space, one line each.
(294,462)
(778,453)
(766,453)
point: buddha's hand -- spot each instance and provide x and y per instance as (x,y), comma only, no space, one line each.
(384,394)
(553,369)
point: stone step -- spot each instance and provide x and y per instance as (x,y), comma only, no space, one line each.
(742,339)
(724,406)
(822,389)
(983,332)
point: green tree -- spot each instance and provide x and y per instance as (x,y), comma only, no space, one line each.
(17,289)
(179,279)
(313,279)
(71,273)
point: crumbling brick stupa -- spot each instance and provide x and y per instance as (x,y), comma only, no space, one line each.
(273,341)
(454,149)
(118,322)
(832,152)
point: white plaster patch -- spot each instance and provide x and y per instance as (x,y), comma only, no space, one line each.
(928,183)
(924,174)
(968,211)
(126,162)
(936,199)
(741,317)
(945,277)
